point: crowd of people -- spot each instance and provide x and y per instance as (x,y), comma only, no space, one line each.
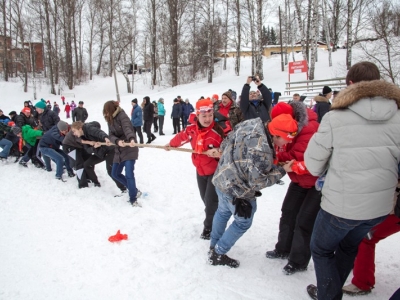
(242,146)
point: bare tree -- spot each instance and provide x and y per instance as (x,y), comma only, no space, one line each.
(5,42)
(237,10)
(349,33)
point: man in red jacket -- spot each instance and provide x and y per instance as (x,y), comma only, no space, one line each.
(302,200)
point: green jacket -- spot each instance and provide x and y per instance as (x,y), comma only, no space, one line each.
(29,134)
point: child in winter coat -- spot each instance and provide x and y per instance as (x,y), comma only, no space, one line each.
(67,110)
(204,136)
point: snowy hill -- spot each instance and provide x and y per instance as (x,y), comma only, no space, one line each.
(54,241)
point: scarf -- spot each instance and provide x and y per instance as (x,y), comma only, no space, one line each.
(201,133)
(224,110)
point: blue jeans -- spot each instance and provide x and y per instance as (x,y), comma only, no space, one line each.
(128,179)
(26,157)
(6,145)
(334,246)
(222,239)
(59,157)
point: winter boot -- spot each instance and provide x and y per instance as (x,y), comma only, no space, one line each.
(206,234)
(312,291)
(153,137)
(135,203)
(23,163)
(71,173)
(216,259)
(276,254)
(353,290)
(292,268)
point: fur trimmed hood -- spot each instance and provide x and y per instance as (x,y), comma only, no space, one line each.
(366,89)
(117,111)
(300,114)
(321,99)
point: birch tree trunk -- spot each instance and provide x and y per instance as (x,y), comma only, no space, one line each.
(313,30)
(349,33)
(238,37)
(327,33)
(260,48)
(226,33)
(301,29)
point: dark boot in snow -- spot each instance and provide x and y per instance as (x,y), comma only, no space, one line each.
(216,259)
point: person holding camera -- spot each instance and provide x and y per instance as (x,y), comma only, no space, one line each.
(245,167)
(251,105)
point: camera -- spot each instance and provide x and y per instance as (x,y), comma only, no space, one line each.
(254,78)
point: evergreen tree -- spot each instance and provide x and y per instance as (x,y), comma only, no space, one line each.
(264,36)
(273,40)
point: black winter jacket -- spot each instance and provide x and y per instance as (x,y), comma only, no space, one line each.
(92,132)
(249,110)
(48,119)
(148,112)
(22,120)
(79,114)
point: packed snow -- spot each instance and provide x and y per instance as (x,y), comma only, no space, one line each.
(54,241)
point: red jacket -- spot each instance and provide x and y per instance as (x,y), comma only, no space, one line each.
(296,149)
(204,165)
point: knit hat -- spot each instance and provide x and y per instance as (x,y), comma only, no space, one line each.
(284,126)
(161,99)
(215,96)
(80,102)
(204,105)
(228,94)
(326,90)
(62,126)
(187,99)
(134,100)
(16,130)
(41,105)
(26,110)
(176,100)
(281,108)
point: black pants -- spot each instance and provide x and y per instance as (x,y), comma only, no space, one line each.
(80,157)
(209,197)
(176,124)
(138,130)
(155,121)
(147,129)
(299,210)
(94,160)
(161,124)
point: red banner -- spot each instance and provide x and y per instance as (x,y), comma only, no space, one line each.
(298,67)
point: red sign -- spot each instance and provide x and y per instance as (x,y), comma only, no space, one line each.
(298,67)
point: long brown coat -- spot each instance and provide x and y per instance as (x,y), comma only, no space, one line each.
(122,129)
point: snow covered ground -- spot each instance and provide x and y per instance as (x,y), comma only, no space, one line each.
(54,237)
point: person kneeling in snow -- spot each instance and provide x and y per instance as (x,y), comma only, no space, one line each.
(245,167)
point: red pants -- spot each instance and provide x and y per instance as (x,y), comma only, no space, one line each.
(364,265)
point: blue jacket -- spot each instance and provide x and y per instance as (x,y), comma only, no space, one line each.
(52,138)
(136,117)
(161,109)
(176,111)
(187,109)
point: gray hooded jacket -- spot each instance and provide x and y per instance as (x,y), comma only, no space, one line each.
(358,141)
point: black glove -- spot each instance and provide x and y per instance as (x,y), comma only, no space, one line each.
(243,207)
